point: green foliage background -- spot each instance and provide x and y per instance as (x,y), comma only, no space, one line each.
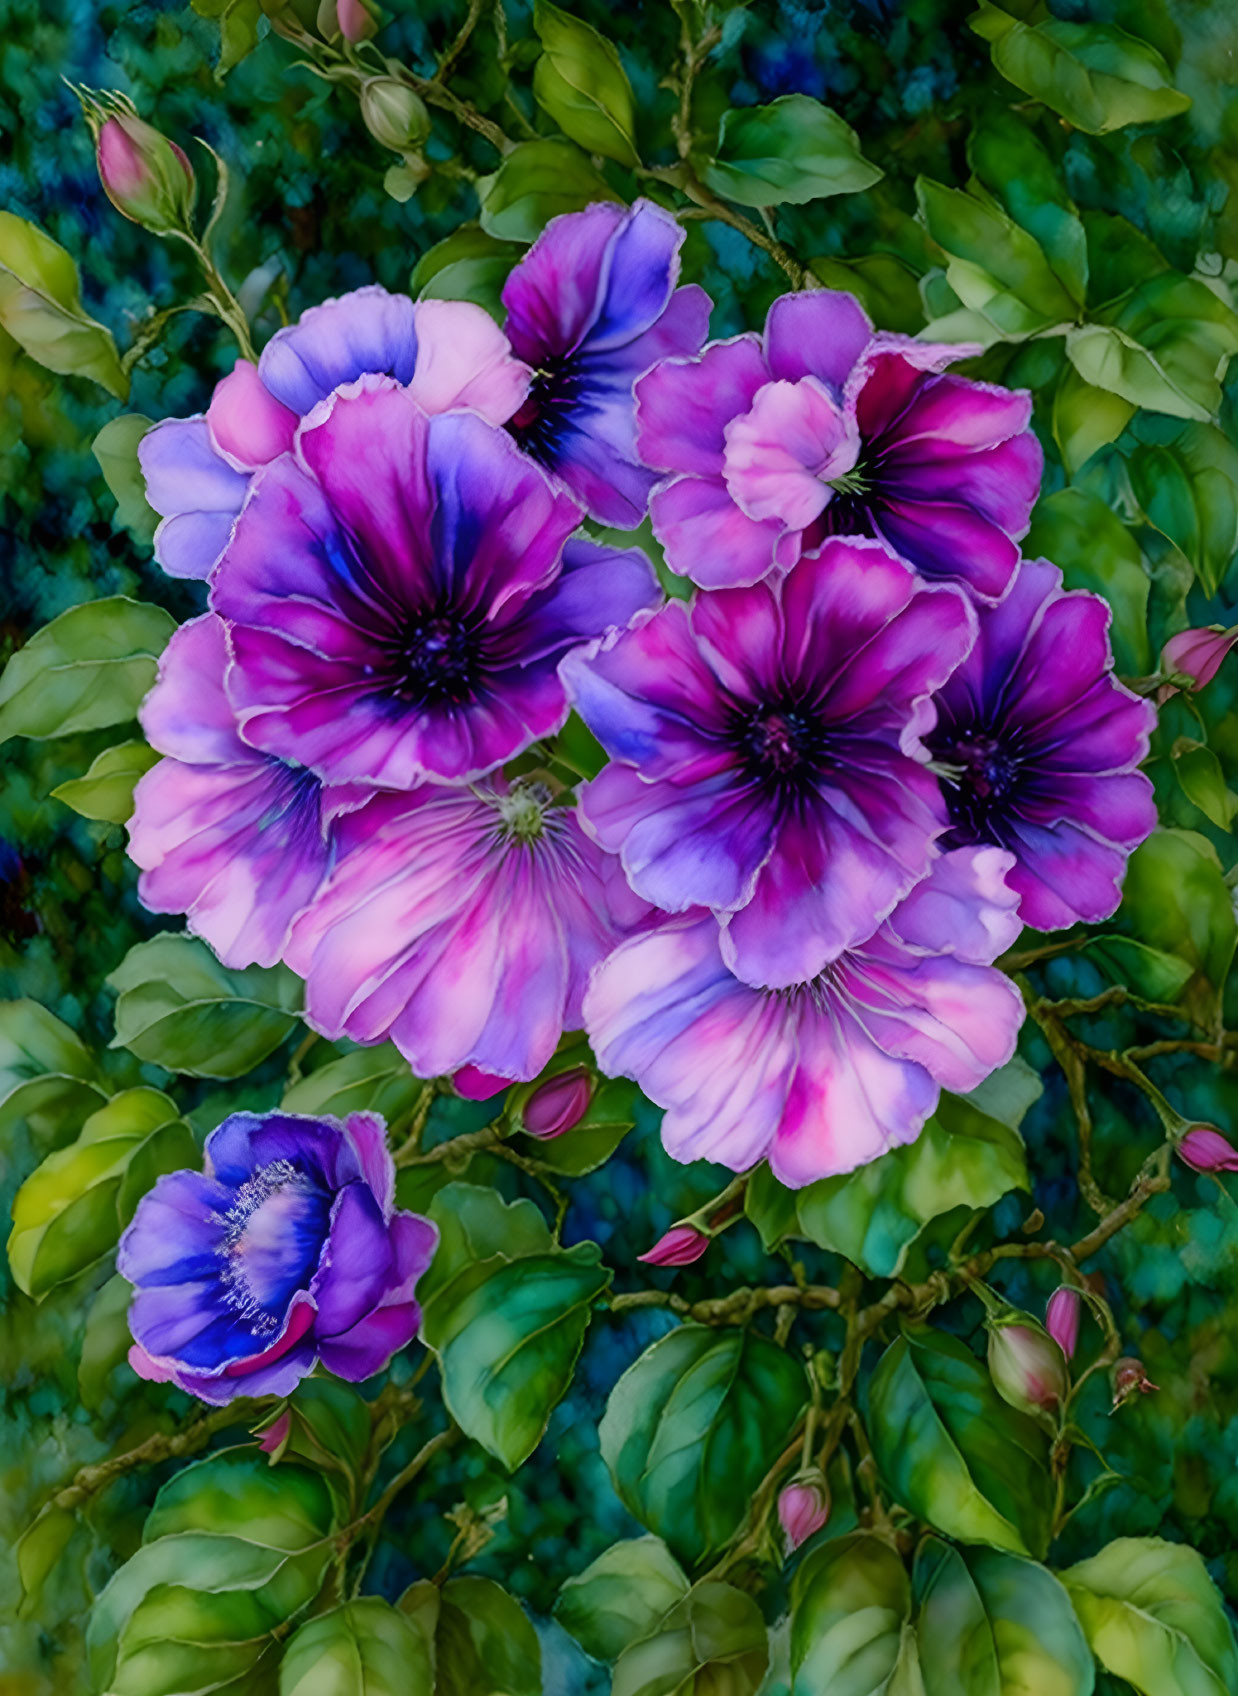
(1061,229)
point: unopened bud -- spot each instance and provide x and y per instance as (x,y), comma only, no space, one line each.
(1128,1379)
(1062,1319)
(356,21)
(1205,1150)
(476,1085)
(145,176)
(276,1434)
(1196,655)
(1027,1367)
(393,114)
(804,1506)
(679,1246)
(558,1105)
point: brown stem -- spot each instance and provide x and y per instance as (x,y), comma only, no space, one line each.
(447,63)
(163,1445)
(737,1308)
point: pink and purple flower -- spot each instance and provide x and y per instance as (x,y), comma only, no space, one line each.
(820,427)
(591,307)
(1038,744)
(237,840)
(285,1251)
(400,595)
(197,470)
(766,753)
(822,1076)
(463,926)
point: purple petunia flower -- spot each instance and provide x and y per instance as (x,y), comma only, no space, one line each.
(1038,744)
(197,470)
(822,1076)
(236,839)
(400,595)
(285,1251)
(821,427)
(463,926)
(591,307)
(767,756)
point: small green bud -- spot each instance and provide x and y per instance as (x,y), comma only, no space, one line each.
(393,114)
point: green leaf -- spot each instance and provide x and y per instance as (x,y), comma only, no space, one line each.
(105,791)
(693,1426)
(621,1596)
(962,1158)
(579,81)
(536,181)
(1013,166)
(468,265)
(106,1343)
(994,266)
(327,1425)
(88,668)
(183,1010)
(232,1551)
(884,286)
(1164,346)
(1175,900)
(506,1311)
(39,1549)
(595,1137)
(1151,972)
(41,308)
(371,1080)
(992,1624)
(1203,782)
(484,1642)
(1094,75)
(47,1076)
(1089,542)
(1086,419)
(952,1452)
(1187,488)
(365,1648)
(850,1630)
(71,1210)
(712,1642)
(787,153)
(1154,1617)
(116,449)
(238,29)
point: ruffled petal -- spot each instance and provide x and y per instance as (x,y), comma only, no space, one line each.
(366,332)
(684,406)
(246,421)
(818,334)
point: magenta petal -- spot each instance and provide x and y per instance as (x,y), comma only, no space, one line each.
(944,540)
(684,406)
(187,714)
(553,295)
(246,420)
(1063,875)
(820,333)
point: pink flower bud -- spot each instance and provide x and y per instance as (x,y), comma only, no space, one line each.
(1197,654)
(558,1104)
(145,176)
(355,20)
(1027,1367)
(803,1506)
(1129,1379)
(680,1246)
(1205,1150)
(1062,1319)
(277,1434)
(475,1085)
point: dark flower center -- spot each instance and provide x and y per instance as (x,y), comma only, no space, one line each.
(273,1236)
(850,511)
(782,745)
(981,773)
(538,426)
(439,660)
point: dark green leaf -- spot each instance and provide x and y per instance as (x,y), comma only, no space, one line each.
(787,153)
(1175,900)
(468,265)
(1089,542)
(106,1343)
(1187,488)
(884,286)
(1203,782)
(621,1596)
(484,1642)
(371,1080)
(1013,166)
(850,1629)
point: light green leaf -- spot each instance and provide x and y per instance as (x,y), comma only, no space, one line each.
(1187,488)
(1151,972)
(1154,1617)
(1013,166)
(536,181)
(484,1642)
(47,1075)
(1094,75)
(1083,536)
(1175,899)
(787,153)
(467,265)
(992,1624)
(39,1549)
(579,81)
(712,1642)
(365,1648)
(611,1114)
(850,1627)
(105,790)
(994,266)
(238,29)
(621,1596)
(693,1426)
(72,1209)
(183,1010)
(952,1452)
(1086,419)
(371,1080)
(1164,346)
(88,668)
(116,449)
(41,308)
(1203,782)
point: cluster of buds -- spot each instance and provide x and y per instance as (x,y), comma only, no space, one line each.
(146,177)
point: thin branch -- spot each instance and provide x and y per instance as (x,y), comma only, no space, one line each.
(163,1445)
(447,63)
